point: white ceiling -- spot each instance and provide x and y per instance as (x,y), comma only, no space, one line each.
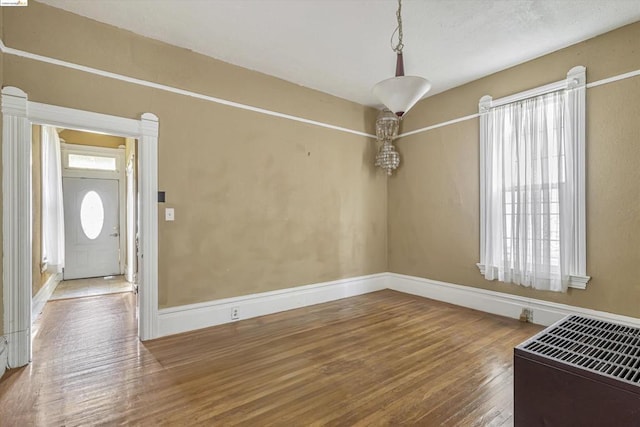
(342,47)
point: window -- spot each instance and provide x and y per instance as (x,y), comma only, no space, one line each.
(92,215)
(532,203)
(81,161)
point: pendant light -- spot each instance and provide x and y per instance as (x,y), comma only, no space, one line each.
(401,92)
(387,125)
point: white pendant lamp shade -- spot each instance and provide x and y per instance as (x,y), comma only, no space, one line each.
(401,93)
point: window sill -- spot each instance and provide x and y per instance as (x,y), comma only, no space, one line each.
(575,282)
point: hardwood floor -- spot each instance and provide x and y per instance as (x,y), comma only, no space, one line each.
(384,358)
(78,288)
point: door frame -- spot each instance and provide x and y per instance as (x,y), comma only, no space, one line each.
(118,174)
(18,113)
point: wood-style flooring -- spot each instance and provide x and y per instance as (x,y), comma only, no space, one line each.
(384,358)
(79,288)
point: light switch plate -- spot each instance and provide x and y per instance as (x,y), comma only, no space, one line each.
(169,214)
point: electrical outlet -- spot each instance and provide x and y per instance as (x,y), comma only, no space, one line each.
(235,313)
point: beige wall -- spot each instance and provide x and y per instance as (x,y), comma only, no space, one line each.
(92,139)
(262,203)
(434,199)
(38,278)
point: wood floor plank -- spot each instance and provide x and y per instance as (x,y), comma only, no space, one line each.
(384,358)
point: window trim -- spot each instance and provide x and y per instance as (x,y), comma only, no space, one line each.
(69,156)
(576,80)
(87,150)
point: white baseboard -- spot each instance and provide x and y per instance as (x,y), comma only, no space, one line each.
(544,313)
(18,348)
(43,295)
(185,318)
(3,355)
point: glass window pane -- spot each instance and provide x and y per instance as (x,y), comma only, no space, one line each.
(92,215)
(81,161)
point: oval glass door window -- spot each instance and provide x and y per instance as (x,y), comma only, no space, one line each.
(92,214)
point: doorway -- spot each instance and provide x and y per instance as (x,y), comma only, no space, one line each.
(92,228)
(18,115)
(97,236)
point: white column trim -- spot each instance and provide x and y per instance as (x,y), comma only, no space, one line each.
(16,228)
(148,233)
(18,114)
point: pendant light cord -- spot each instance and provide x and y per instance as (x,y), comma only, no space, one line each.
(398,47)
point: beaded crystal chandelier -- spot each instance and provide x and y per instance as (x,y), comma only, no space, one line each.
(387,125)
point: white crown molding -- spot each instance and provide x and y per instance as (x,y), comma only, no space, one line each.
(43,295)
(102,73)
(439,125)
(185,318)
(146,83)
(613,79)
(487,101)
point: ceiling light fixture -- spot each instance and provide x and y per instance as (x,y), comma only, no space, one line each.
(401,92)
(387,126)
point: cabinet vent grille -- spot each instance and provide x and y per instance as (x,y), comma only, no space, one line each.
(598,346)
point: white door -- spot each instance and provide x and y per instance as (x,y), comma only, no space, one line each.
(92,242)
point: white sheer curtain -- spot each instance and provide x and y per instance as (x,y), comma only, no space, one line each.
(52,203)
(530,190)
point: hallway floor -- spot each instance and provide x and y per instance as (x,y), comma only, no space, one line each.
(90,287)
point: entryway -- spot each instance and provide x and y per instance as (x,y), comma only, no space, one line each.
(79,288)
(18,115)
(91,237)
